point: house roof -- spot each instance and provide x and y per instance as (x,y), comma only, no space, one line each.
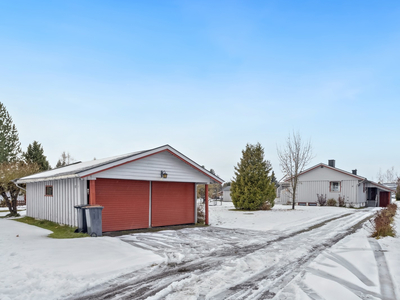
(332,168)
(84,169)
(361,178)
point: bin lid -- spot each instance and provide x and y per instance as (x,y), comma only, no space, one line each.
(81,205)
(94,206)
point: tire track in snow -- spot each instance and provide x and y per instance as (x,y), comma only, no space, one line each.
(385,279)
(266,283)
(146,284)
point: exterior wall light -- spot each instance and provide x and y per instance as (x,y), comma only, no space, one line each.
(164,174)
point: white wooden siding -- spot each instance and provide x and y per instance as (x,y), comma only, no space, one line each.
(307,191)
(60,207)
(226,196)
(149,168)
(325,173)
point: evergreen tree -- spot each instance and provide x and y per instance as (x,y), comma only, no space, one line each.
(10,146)
(35,154)
(252,186)
(273,179)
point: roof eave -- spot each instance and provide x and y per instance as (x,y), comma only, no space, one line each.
(21,180)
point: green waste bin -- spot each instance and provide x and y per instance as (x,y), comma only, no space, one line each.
(93,220)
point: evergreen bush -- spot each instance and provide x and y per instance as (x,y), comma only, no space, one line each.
(252,185)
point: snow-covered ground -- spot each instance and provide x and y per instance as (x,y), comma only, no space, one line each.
(308,253)
(280,218)
(33,266)
(4,211)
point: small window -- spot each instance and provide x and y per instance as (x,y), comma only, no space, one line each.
(49,190)
(335,186)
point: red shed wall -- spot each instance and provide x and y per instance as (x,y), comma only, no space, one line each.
(384,199)
(172,203)
(126,203)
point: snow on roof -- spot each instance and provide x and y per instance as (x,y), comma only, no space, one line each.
(97,165)
(381,186)
(75,168)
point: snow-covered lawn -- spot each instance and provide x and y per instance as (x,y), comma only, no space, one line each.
(236,247)
(280,218)
(4,211)
(33,266)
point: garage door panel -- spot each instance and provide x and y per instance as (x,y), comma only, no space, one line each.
(125,202)
(172,203)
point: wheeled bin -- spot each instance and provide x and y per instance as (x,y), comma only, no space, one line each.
(93,220)
(80,211)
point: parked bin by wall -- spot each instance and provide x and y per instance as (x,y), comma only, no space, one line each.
(93,220)
(82,226)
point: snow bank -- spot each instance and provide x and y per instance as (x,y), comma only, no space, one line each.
(391,246)
(34,266)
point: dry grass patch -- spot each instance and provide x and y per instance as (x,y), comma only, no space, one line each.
(383,222)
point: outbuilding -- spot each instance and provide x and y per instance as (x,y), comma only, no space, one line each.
(144,189)
(226,194)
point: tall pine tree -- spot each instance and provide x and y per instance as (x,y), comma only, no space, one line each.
(10,146)
(35,154)
(252,186)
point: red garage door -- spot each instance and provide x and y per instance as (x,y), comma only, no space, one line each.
(172,203)
(126,203)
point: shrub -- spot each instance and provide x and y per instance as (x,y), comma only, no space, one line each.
(321,199)
(3,203)
(266,206)
(331,202)
(252,184)
(383,220)
(341,201)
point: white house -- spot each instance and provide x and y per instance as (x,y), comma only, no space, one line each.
(328,180)
(226,194)
(150,188)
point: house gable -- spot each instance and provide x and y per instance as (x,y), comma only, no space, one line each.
(324,172)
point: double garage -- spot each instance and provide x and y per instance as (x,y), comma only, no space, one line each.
(143,204)
(144,189)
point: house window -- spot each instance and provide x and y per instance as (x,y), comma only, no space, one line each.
(49,190)
(335,186)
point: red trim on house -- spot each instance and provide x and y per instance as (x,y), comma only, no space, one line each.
(45,191)
(329,167)
(382,186)
(206,202)
(92,192)
(340,186)
(220,182)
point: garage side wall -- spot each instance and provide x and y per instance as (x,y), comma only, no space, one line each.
(58,208)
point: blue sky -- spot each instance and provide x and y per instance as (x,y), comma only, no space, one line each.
(102,78)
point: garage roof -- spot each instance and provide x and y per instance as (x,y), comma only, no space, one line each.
(84,169)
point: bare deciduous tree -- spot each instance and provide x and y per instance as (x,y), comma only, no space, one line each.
(390,176)
(293,158)
(65,160)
